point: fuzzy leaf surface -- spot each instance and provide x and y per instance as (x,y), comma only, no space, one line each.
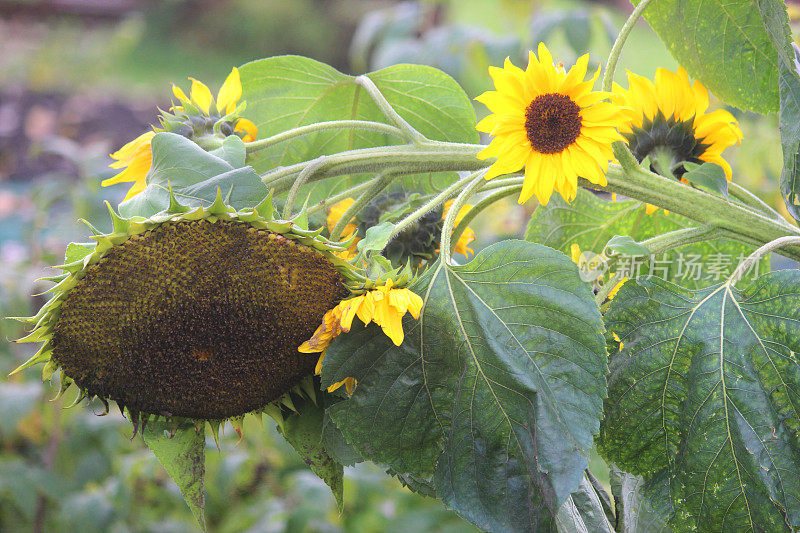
(495,392)
(776,21)
(724,45)
(287,92)
(705,394)
(194,176)
(183,456)
(639,510)
(590,221)
(305,433)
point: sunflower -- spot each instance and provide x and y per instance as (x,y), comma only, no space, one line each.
(194,313)
(135,157)
(549,122)
(194,119)
(384,305)
(668,121)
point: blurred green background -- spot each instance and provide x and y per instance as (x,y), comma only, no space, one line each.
(79,78)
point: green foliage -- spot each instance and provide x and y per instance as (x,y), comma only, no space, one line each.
(636,512)
(591,222)
(495,393)
(709,175)
(289,91)
(776,22)
(194,176)
(704,394)
(304,433)
(181,451)
(723,45)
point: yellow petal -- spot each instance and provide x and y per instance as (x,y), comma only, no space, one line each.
(250,129)
(201,95)
(229,93)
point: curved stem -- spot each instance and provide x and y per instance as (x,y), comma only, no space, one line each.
(751,200)
(299,182)
(287,135)
(349,193)
(387,109)
(377,185)
(747,264)
(499,194)
(449,191)
(616,50)
(455,207)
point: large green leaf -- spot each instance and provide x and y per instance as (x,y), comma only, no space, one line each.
(494,394)
(286,92)
(724,45)
(592,222)
(705,392)
(583,512)
(640,509)
(182,453)
(776,22)
(305,433)
(194,176)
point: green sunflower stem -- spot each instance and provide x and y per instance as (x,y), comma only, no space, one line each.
(299,182)
(432,156)
(616,50)
(377,185)
(425,208)
(288,135)
(477,179)
(349,193)
(736,221)
(388,111)
(498,194)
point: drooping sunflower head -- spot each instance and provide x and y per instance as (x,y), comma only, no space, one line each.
(549,122)
(198,117)
(668,121)
(194,314)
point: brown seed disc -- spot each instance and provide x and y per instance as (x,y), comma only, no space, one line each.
(552,122)
(196,319)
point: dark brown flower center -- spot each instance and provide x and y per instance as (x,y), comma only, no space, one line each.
(196,319)
(552,122)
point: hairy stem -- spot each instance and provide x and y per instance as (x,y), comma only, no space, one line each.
(377,185)
(498,194)
(388,111)
(455,207)
(288,135)
(616,50)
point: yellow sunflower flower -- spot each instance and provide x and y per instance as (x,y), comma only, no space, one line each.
(383,305)
(137,156)
(467,236)
(668,121)
(225,104)
(549,122)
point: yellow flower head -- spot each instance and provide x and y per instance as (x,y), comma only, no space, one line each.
(225,104)
(549,122)
(137,156)
(383,305)
(668,118)
(467,236)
